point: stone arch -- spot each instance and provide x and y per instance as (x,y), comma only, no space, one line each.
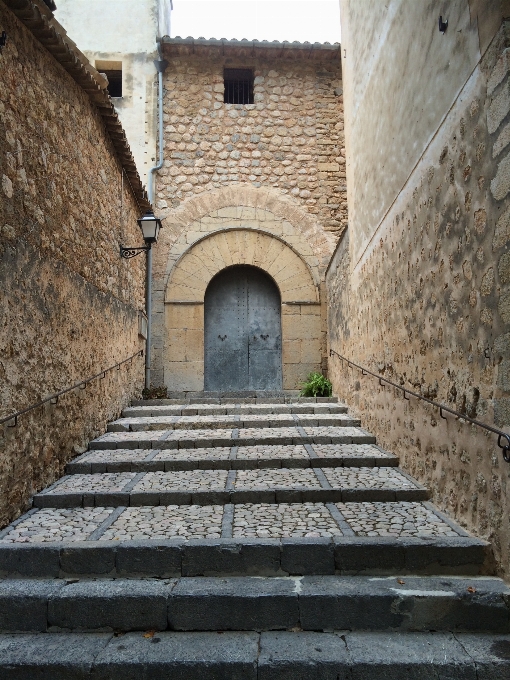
(183,336)
(177,221)
(214,252)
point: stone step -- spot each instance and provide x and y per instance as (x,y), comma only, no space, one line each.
(257,540)
(210,487)
(231,409)
(407,603)
(232,458)
(231,421)
(189,439)
(244,397)
(271,655)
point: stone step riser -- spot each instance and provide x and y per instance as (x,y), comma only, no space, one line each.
(192,440)
(156,498)
(227,410)
(253,656)
(75,468)
(233,398)
(347,555)
(149,424)
(207,604)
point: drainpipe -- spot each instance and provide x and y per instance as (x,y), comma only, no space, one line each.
(160,65)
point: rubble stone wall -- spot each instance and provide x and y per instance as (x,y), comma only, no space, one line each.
(275,168)
(69,305)
(427,306)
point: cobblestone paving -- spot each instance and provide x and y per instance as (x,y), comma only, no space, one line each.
(367,478)
(114,456)
(259,433)
(230,409)
(47,525)
(321,433)
(348,451)
(163,522)
(280,478)
(199,435)
(271,451)
(104,481)
(283,520)
(220,453)
(183,480)
(394,519)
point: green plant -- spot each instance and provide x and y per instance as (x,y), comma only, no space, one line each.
(154,393)
(316,385)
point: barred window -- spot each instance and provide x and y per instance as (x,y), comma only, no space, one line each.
(238,86)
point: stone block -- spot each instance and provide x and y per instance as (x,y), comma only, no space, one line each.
(413,655)
(294,327)
(51,657)
(120,605)
(310,351)
(58,500)
(303,556)
(88,558)
(347,603)
(498,109)
(328,167)
(500,71)
(303,656)
(291,351)
(180,656)
(24,604)
(216,557)
(185,375)
(492,654)
(288,496)
(194,344)
(29,560)
(357,555)
(500,185)
(233,604)
(149,558)
(184,316)
(461,555)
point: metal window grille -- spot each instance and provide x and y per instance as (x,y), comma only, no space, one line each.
(238,86)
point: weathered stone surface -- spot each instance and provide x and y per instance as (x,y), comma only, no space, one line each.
(69,305)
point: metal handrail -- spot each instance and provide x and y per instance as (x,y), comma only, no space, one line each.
(55,397)
(442,408)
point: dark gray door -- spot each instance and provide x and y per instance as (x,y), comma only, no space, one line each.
(242,331)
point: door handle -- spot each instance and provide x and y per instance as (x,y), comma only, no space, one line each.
(222,337)
(264,337)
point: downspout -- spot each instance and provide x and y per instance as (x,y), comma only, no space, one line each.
(160,65)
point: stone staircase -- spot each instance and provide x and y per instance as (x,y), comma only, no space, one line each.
(240,538)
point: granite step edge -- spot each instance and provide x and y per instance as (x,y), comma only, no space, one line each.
(409,603)
(254,656)
(162,558)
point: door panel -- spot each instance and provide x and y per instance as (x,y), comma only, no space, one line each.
(242,331)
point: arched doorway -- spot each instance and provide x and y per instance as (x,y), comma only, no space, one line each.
(242,325)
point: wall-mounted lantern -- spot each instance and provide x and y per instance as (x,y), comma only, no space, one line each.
(150,227)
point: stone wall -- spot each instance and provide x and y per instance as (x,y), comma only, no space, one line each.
(423,300)
(290,139)
(274,169)
(69,304)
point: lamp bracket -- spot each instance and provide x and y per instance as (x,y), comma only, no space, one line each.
(128,253)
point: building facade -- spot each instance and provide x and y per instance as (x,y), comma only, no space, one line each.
(120,38)
(258,186)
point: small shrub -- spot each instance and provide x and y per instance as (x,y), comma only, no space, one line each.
(155,393)
(316,385)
